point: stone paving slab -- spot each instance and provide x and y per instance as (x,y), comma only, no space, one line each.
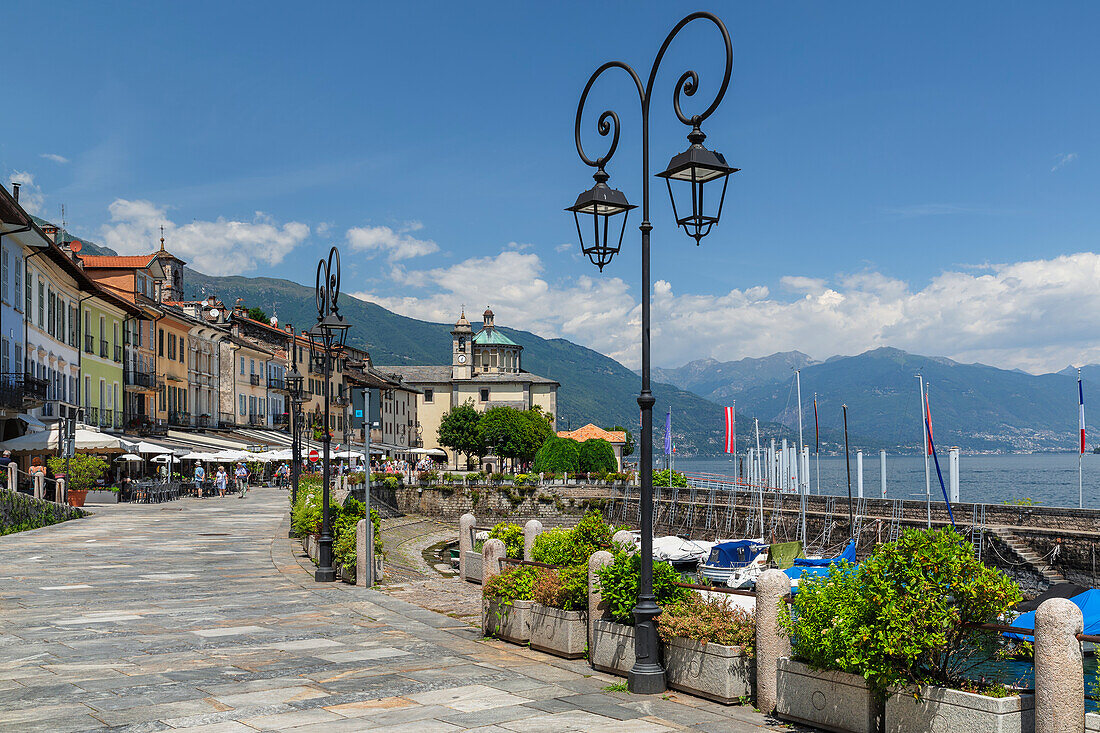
(201,615)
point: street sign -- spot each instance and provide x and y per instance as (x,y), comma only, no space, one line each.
(314,456)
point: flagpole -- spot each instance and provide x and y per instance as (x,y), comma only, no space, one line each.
(817,446)
(759,486)
(924,432)
(803,481)
(1081,452)
(733,420)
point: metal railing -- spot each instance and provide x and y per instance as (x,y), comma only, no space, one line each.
(118,353)
(91,415)
(140,379)
(15,389)
(281,418)
(104,350)
(254,379)
(226,419)
(276,383)
(89,344)
(256,420)
(202,421)
(179,418)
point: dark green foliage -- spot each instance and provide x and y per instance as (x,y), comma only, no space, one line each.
(511,585)
(84,470)
(619,585)
(597,456)
(512,536)
(512,433)
(558,455)
(628,449)
(458,430)
(19,512)
(661,478)
(257,314)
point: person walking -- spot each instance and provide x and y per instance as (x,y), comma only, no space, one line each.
(241,475)
(200,476)
(221,480)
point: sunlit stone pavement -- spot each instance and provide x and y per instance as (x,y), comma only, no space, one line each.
(201,614)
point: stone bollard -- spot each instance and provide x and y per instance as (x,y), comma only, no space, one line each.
(772,642)
(531,530)
(39,486)
(1059,681)
(597,606)
(465,541)
(361,556)
(59,491)
(491,554)
(13,476)
(623,537)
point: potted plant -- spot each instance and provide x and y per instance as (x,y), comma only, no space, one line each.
(613,637)
(506,604)
(901,627)
(81,473)
(709,648)
(559,616)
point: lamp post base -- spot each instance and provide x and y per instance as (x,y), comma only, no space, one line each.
(648,679)
(325,575)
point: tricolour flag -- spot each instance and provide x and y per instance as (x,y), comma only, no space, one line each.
(928,418)
(817,430)
(730,428)
(1081,409)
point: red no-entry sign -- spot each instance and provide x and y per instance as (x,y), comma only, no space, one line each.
(314,456)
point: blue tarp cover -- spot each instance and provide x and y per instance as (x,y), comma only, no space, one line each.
(848,554)
(1088,602)
(804,573)
(734,554)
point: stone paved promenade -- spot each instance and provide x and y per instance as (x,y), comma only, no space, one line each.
(202,615)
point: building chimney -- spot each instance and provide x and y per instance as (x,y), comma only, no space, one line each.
(15,191)
(51,232)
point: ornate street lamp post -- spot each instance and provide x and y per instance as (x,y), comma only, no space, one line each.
(697,167)
(326,342)
(294,385)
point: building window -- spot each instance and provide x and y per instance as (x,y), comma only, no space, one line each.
(160,342)
(484,394)
(41,304)
(18,284)
(4,275)
(242,370)
(241,404)
(27,306)
(429,395)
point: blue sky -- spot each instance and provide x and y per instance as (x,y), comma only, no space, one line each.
(920,175)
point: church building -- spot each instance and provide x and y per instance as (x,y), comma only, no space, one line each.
(486,369)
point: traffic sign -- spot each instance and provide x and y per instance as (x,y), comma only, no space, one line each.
(314,456)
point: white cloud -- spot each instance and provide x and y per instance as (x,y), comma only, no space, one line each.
(55,158)
(395,245)
(1038,315)
(31,197)
(564,247)
(221,247)
(1062,160)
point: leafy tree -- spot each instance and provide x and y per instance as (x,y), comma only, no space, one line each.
(257,314)
(512,433)
(558,455)
(597,456)
(458,430)
(83,470)
(628,449)
(540,427)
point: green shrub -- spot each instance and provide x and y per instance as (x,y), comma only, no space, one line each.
(565,588)
(619,585)
(84,470)
(554,547)
(512,536)
(474,477)
(558,455)
(516,584)
(660,478)
(597,455)
(905,615)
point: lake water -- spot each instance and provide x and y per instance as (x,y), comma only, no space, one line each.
(1047,479)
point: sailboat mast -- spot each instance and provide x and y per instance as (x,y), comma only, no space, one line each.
(759,486)
(803,481)
(817,446)
(1081,452)
(735,441)
(924,432)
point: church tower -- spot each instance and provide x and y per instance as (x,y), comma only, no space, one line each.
(462,353)
(171,288)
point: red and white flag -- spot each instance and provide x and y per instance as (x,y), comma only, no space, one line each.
(731,430)
(1081,409)
(928,417)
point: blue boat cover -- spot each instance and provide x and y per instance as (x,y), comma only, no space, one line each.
(848,554)
(1088,602)
(734,554)
(807,573)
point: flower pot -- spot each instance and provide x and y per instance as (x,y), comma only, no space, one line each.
(1092,723)
(612,647)
(76,497)
(720,673)
(941,708)
(825,699)
(508,622)
(558,632)
(100,497)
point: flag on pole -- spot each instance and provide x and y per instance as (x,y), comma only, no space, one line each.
(730,423)
(928,417)
(668,433)
(817,431)
(1081,409)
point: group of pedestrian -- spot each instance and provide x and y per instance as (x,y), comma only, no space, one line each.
(221,479)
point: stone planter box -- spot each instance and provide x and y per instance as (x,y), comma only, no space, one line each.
(379,568)
(510,623)
(101,497)
(828,700)
(612,647)
(1092,723)
(720,673)
(940,708)
(472,562)
(558,632)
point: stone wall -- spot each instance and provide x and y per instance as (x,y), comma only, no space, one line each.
(552,505)
(19,512)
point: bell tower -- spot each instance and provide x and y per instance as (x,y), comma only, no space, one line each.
(171,289)
(462,353)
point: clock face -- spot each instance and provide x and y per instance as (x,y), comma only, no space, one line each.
(461,358)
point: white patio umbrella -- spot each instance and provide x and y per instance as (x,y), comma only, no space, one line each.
(49,441)
(144,447)
(165,458)
(198,457)
(130,458)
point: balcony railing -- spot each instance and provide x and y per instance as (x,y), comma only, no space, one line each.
(226,419)
(104,349)
(118,354)
(281,418)
(202,421)
(140,379)
(179,418)
(276,383)
(91,415)
(254,379)
(18,389)
(117,419)
(89,344)
(256,420)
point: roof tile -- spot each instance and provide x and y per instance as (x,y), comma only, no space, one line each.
(591,432)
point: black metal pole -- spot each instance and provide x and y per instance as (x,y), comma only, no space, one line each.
(848,464)
(325,571)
